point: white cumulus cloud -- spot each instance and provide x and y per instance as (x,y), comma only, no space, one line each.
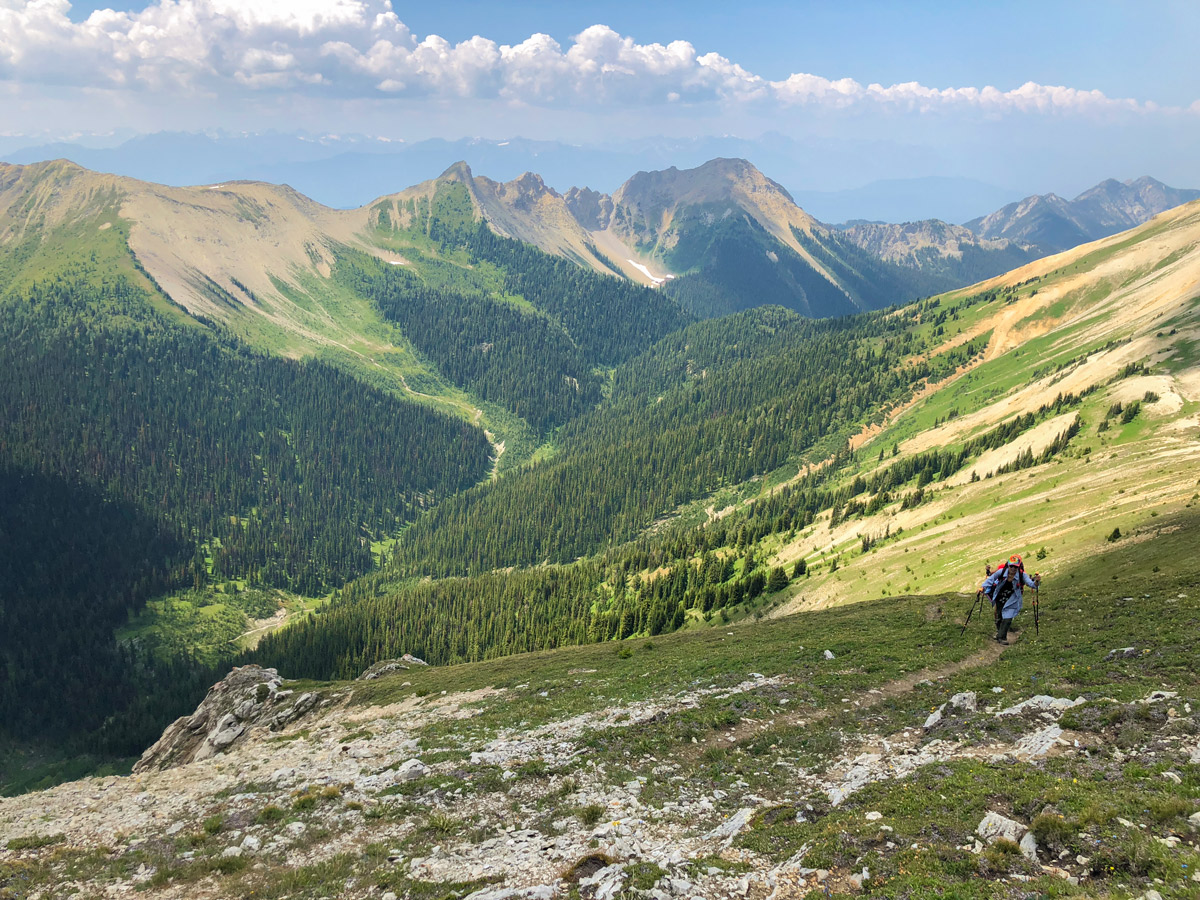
(360,49)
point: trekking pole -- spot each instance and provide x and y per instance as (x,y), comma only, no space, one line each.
(1037,595)
(974,603)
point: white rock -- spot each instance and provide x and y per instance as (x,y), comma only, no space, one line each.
(1171,776)
(732,827)
(1194,818)
(251,844)
(995,826)
(1157,696)
(296,828)
(829,655)
(231,851)
(934,717)
(389,896)
(1029,847)
(1037,744)
(874,816)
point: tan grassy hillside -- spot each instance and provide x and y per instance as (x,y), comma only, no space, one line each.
(1061,325)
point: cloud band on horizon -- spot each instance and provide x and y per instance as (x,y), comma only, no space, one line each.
(361,49)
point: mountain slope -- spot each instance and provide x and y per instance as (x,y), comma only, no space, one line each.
(1055,224)
(1063,394)
(870,749)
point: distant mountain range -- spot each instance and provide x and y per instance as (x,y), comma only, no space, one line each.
(717,238)
(1051,223)
(345,171)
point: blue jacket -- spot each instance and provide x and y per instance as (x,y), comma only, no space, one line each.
(1012,605)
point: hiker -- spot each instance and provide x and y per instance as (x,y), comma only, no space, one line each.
(1003,589)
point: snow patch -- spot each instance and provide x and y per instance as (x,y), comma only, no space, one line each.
(647,273)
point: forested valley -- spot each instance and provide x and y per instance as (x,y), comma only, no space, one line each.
(141,454)
(698,411)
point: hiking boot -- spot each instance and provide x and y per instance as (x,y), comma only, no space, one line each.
(999,640)
(1002,634)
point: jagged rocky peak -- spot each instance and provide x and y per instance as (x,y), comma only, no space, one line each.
(524,192)
(591,209)
(248,697)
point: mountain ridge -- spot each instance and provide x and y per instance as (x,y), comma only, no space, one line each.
(1055,224)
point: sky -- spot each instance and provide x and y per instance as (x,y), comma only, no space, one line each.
(1046,95)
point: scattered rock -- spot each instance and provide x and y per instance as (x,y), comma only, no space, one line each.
(1159,696)
(858,878)
(1041,703)
(1029,847)
(829,655)
(874,816)
(1036,745)
(412,660)
(231,851)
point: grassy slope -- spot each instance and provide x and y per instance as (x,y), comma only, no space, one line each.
(770,742)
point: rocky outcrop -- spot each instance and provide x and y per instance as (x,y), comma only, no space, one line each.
(248,697)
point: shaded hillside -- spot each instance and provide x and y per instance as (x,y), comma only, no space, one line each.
(143,455)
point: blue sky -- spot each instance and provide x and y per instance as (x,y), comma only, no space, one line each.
(1008,92)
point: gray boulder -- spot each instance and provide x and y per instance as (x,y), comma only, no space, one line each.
(248,697)
(412,770)
(966,700)
(381,668)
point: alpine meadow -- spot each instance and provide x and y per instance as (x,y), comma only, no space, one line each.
(489,540)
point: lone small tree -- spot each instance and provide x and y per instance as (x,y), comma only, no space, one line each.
(777,580)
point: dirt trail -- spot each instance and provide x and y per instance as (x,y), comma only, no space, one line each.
(746,728)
